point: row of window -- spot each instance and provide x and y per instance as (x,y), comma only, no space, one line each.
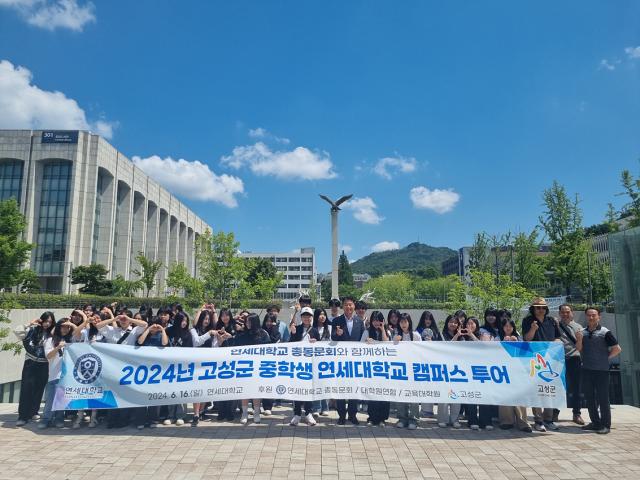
(294,259)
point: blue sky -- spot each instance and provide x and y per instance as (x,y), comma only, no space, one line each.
(442,118)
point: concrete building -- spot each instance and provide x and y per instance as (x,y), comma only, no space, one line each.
(298,269)
(85,202)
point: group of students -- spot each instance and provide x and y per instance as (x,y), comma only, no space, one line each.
(45,339)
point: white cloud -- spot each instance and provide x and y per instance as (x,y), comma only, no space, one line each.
(193,180)
(385,246)
(606,65)
(364,210)
(345,248)
(24,105)
(397,164)
(263,133)
(52,14)
(297,164)
(440,201)
(632,52)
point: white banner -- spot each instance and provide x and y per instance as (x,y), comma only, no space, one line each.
(103,375)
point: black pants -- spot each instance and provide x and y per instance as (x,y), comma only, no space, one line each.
(226,410)
(297,408)
(595,384)
(146,415)
(341,407)
(267,404)
(34,380)
(378,411)
(481,420)
(118,417)
(573,373)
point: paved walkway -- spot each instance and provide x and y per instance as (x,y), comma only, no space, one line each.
(276,450)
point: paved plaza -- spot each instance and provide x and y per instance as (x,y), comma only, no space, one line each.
(273,449)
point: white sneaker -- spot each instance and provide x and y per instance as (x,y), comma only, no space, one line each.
(474,427)
(35,417)
(316,414)
(166,422)
(140,427)
(551,426)
(488,428)
(400,424)
(442,425)
(324,413)
(310,420)
(267,413)
(179,422)
(244,418)
(295,420)
(539,427)
(250,411)
(456,425)
(256,417)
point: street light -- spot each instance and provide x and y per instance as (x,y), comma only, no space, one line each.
(334,240)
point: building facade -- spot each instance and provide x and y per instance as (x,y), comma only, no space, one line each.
(85,202)
(298,270)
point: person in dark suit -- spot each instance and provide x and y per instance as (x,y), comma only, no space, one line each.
(348,327)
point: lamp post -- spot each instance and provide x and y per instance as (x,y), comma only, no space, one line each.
(334,240)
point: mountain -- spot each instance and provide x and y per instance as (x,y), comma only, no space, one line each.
(414,257)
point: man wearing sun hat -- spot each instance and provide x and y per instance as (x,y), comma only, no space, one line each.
(539,326)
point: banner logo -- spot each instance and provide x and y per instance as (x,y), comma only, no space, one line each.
(543,368)
(87,368)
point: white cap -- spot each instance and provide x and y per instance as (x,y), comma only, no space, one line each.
(306,310)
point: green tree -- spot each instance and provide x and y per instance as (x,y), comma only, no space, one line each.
(147,271)
(345,275)
(262,278)
(562,222)
(5,308)
(125,288)
(220,267)
(94,279)
(484,292)
(392,287)
(29,281)
(611,218)
(601,285)
(631,187)
(528,265)
(436,288)
(179,279)
(480,253)
(14,252)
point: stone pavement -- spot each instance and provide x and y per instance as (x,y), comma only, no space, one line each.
(275,450)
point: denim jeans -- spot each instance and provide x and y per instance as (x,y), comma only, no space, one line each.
(321,405)
(49,416)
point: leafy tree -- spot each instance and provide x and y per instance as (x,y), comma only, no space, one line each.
(392,287)
(562,222)
(179,278)
(528,265)
(484,292)
(14,252)
(480,253)
(94,279)
(125,288)
(611,218)
(5,308)
(601,285)
(631,187)
(262,278)
(436,288)
(220,267)
(345,275)
(147,271)
(29,281)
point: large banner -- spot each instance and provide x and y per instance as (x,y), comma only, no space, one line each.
(103,375)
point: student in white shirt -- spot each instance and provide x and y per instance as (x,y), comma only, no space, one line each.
(53,349)
(407,412)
